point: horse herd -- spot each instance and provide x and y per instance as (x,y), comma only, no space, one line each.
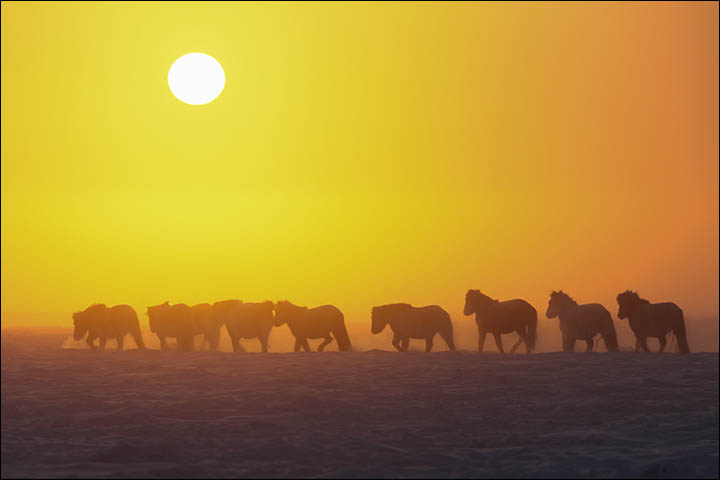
(244,320)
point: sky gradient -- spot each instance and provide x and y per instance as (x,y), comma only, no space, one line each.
(360,154)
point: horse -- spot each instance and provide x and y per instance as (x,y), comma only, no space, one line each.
(652,320)
(323,322)
(173,321)
(498,317)
(581,322)
(409,322)
(99,321)
(205,325)
(246,320)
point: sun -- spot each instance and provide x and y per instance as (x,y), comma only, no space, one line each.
(196,78)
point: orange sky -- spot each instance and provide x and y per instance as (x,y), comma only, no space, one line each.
(360,154)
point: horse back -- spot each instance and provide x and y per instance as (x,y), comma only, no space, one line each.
(316,322)
(421,322)
(587,320)
(507,316)
(656,319)
(668,309)
(122,319)
(326,311)
(249,320)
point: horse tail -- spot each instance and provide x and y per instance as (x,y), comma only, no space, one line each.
(532,331)
(135,331)
(447,333)
(342,337)
(609,335)
(610,338)
(137,336)
(680,333)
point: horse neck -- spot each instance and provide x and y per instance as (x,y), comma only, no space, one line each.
(294,315)
(637,307)
(562,311)
(482,310)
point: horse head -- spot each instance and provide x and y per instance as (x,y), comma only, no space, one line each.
(627,301)
(381,315)
(285,311)
(83,320)
(476,302)
(379,320)
(81,325)
(559,302)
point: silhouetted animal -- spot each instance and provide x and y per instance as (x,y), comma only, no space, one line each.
(246,320)
(652,320)
(173,321)
(206,325)
(318,322)
(493,316)
(581,322)
(99,321)
(409,322)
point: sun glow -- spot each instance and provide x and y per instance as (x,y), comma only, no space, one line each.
(196,78)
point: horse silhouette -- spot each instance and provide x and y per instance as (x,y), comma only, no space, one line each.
(245,320)
(205,325)
(493,316)
(652,320)
(409,322)
(323,322)
(99,321)
(173,321)
(581,322)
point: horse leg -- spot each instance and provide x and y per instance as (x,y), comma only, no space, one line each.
(263,343)
(396,342)
(237,346)
(405,343)
(213,339)
(306,345)
(121,342)
(643,344)
(568,344)
(481,341)
(590,342)
(298,344)
(163,342)
(498,342)
(137,336)
(637,345)
(428,344)
(90,341)
(102,343)
(522,339)
(327,340)
(663,342)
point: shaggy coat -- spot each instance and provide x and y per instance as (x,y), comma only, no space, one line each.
(495,317)
(99,321)
(409,322)
(581,322)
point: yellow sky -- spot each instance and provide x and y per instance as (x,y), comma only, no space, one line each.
(360,154)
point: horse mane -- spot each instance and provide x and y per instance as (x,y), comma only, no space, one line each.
(562,297)
(290,305)
(478,297)
(629,297)
(90,309)
(391,307)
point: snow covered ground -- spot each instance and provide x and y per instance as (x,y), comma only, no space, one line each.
(80,413)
